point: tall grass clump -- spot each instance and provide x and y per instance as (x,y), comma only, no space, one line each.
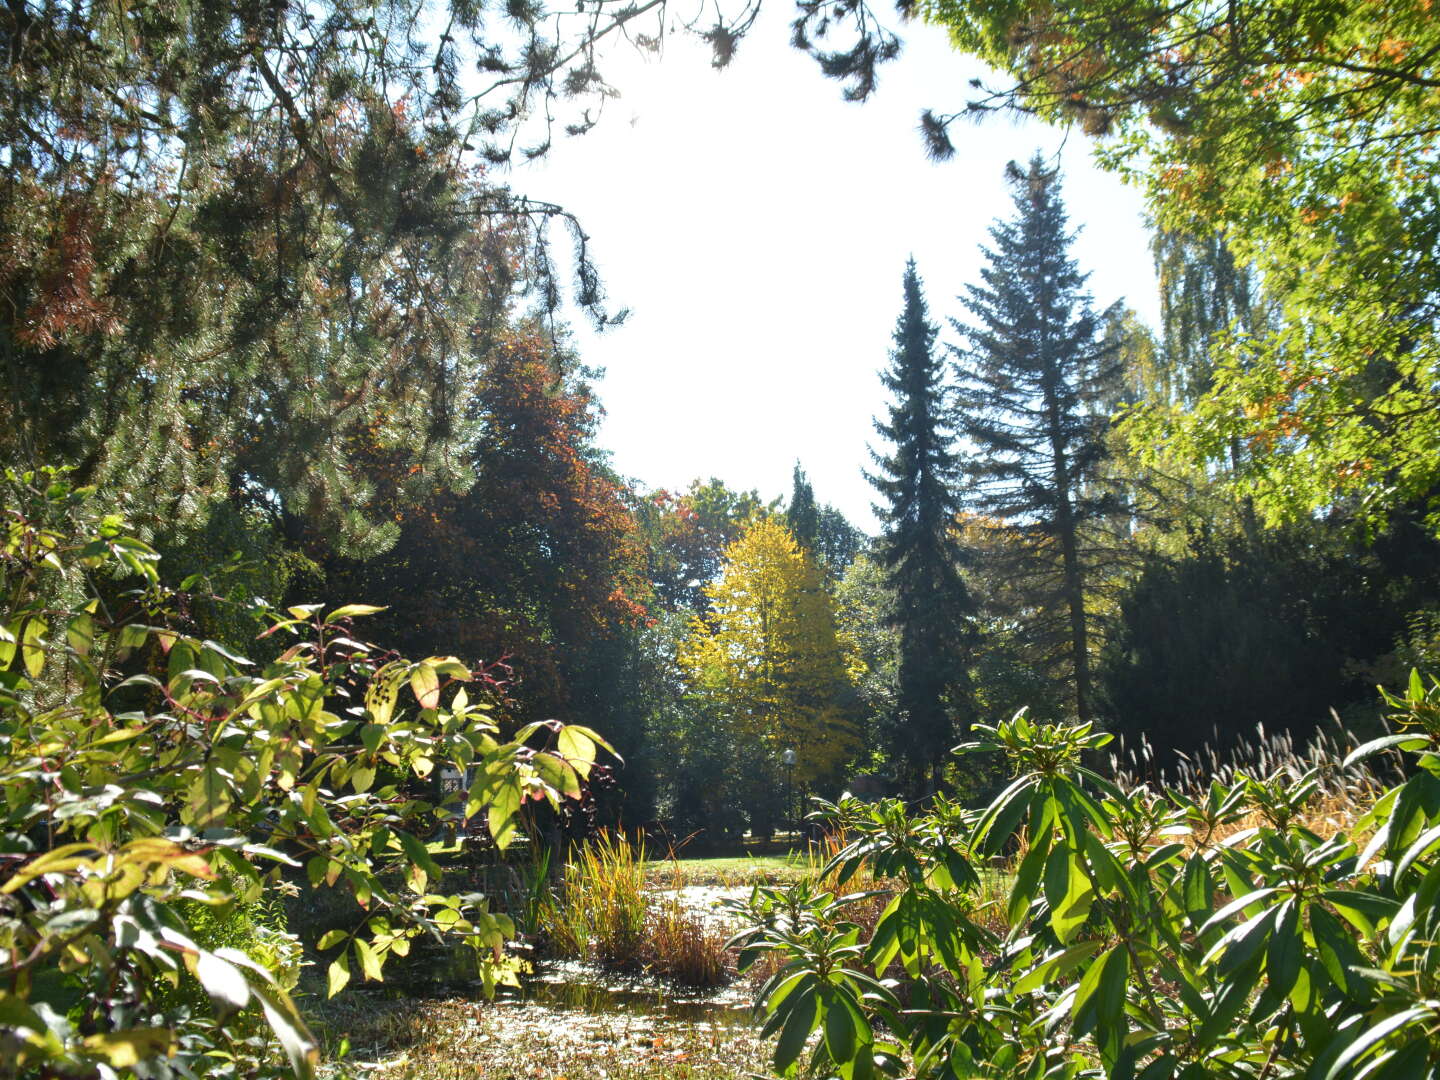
(599,913)
(685,947)
(1343,790)
(606,912)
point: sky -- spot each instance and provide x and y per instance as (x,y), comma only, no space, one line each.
(757,227)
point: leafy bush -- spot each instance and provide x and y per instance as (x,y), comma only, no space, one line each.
(1141,936)
(149,776)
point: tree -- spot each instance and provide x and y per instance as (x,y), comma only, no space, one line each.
(802,515)
(767,665)
(821,530)
(539,559)
(237,235)
(1032,364)
(151,775)
(918,551)
(687,535)
(1301,135)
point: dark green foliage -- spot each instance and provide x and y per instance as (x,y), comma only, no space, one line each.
(1031,373)
(237,236)
(918,550)
(1275,629)
(157,784)
(802,515)
(821,530)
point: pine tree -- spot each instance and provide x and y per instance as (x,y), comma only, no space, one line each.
(1032,372)
(918,549)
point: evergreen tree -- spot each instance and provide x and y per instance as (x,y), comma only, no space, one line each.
(918,549)
(802,516)
(1033,368)
(823,531)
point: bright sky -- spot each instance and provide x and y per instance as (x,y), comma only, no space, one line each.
(757,226)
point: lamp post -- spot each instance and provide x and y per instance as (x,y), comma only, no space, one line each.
(788,760)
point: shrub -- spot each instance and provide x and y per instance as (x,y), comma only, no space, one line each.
(1142,937)
(148,776)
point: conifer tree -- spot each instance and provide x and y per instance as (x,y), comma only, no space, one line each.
(802,516)
(1034,366)
(918,549)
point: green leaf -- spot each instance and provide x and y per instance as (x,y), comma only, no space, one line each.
(840,1029)
(330,939)
(1286,949)
(295,1038)
(504,805)
(1385,742)
(223,981)
(127,1049)
(1068,892)
(578,749)
(345,611)
(426,686)
(338,975)
(1100,997)
(798,1025)
(32,645)
(558,774)
(369,960)
(419,855)
(1374,1036)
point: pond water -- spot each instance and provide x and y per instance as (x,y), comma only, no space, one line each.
(569,986)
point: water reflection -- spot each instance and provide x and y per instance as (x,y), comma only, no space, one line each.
(575,987)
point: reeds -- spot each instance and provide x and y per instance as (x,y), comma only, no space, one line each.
(605,912)
(1341,797)
(600,911)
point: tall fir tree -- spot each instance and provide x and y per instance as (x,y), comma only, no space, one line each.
(919,552)
(802,515)
(1033,375)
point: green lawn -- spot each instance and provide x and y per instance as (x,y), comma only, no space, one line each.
(735,869)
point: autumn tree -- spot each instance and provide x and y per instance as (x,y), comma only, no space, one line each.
(686,534)
(538,559)
(767,666)
(1032,366)
(917,481)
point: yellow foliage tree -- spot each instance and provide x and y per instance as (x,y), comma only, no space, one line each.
(768,661)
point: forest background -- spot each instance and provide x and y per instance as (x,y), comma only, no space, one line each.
(272,298)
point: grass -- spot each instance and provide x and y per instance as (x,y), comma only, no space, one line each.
(600,911)
(733,871)
(458,1038)
(607,911)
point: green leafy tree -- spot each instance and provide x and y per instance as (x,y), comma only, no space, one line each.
(1301,136)
(916,482)
(821,530)
(1033,368)
(687,536)
(154,780)
(237,236)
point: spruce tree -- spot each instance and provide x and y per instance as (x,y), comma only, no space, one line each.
(1034,368)
(802,515)
(918,549)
